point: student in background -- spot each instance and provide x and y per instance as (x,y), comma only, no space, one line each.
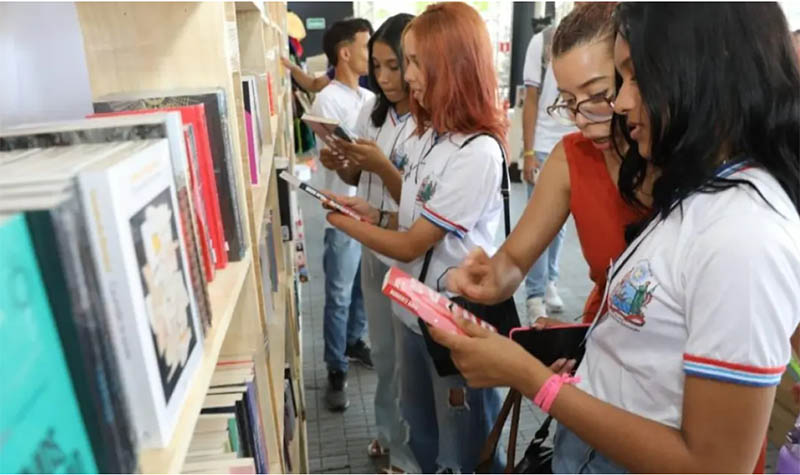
(450,202)
(315,84)
(384,125)
(580,177)
(345,45)
(679,375)
(540,134)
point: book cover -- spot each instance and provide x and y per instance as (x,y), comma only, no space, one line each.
(202,227)
(40,421)
(327,129)
(117,129)
(269,238)
(216,110)
(60,238)
(132,214)
(431,306)
(258,432)
(201,178)
(285,206)
(252,127)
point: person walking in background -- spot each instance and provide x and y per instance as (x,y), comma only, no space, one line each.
(345,45)
(540,134)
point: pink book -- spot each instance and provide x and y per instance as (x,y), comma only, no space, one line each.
(432,307)
(251,148)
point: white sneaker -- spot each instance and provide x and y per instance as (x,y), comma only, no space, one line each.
(552,299)
(536,309)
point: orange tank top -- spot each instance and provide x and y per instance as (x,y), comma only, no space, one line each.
(600,213)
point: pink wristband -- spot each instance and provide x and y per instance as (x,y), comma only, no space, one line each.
(550,389)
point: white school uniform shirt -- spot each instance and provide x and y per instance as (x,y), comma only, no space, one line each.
(340,102)
(457,189)
(712,292)
(392,138)
(548,131)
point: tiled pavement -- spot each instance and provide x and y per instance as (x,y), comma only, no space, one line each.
(337,442)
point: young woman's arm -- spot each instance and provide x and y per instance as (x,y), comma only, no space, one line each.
(404,246)
(486,280)
(366,155)
(712,439)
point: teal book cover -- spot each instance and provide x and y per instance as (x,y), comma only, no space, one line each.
(41,429)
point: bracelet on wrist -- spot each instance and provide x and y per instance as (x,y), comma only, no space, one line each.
(528,153)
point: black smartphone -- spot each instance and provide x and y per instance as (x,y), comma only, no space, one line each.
(553,343)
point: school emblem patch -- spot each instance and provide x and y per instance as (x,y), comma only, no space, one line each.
(630,297)
(426,190)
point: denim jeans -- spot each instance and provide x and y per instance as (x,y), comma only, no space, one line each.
(384,333)
(449,422)
(572,455)
(344,320)
(545,269)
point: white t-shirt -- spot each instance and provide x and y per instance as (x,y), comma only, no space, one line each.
(391,137)
(548,131)
(713,292)
(457,189)
(340,102)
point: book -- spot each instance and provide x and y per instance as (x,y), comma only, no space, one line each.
(329,202)
(327,129)
(235,466)
(53,136)
(269,239)
(203,184)
(41,423)
(60,238)
(141,261)
(252,127)
(432,307)
(257,424)
(216,109)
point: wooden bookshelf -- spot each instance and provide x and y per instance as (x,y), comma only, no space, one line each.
(224,294)
(133,47)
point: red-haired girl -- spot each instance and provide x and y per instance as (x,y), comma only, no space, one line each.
(450,202)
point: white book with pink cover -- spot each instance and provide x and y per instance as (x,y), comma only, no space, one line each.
(432,307)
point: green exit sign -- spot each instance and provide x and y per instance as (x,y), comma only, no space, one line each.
(315,23)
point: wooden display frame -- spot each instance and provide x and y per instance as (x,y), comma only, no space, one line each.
(134,47)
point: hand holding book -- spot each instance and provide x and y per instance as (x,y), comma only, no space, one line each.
(359,205)
(363,153)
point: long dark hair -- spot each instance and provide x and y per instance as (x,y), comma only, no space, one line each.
(391,34)
(718,80)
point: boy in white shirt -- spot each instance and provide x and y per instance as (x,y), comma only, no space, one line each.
(345,45)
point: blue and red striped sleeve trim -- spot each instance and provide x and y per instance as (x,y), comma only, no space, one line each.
(443,222)
(731,372)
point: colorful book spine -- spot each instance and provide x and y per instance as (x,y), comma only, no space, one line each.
(40,421)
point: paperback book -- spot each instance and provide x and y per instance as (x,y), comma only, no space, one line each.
(216,109)
(432,307)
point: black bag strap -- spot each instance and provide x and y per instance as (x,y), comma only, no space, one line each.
(505,191)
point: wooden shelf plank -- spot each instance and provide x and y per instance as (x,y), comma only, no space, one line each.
(224,294)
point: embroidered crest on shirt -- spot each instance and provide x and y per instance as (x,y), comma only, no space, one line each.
(400,159)
(426,190)
(631,295)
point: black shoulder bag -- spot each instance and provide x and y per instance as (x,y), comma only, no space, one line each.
(502,316)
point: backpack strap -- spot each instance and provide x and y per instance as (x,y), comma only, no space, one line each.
(505,191)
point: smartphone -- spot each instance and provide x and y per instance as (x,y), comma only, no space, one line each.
(553,343)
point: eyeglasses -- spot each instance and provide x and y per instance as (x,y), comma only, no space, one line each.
(595,109)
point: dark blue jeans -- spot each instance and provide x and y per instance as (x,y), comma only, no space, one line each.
(344,318)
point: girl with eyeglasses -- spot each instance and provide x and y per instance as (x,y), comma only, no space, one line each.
(679,373)
(579,178)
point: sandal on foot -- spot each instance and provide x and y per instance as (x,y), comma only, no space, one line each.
(375,450)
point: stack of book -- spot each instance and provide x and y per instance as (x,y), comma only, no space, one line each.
(229,436)
(111,229)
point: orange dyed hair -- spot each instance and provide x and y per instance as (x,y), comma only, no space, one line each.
(460,79)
